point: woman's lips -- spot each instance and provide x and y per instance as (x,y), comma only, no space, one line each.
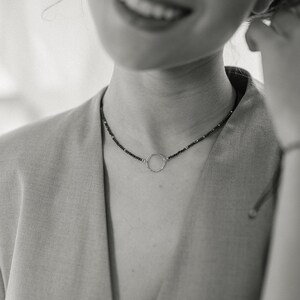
(153,16)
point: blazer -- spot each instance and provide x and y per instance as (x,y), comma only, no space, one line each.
(54,234)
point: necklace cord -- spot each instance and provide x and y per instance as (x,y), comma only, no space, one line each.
(175,154)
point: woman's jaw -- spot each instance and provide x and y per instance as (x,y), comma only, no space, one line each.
(162,34)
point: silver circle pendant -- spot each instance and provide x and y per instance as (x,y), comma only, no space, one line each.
(163,159)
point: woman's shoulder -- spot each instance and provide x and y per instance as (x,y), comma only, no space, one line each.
(252,107)
(41,136)
(41,159)
(34,157)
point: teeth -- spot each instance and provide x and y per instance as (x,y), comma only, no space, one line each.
(158,12)
(144,8)
(152,10)
(171,14)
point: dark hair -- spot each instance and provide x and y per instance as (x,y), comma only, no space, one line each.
(275,6)
(48,8)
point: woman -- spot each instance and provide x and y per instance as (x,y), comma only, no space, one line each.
(185,210)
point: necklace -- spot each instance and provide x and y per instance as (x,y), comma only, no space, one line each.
(163,158)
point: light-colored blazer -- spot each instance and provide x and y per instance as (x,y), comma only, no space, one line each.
(53,216)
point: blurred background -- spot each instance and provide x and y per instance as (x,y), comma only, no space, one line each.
(52,62)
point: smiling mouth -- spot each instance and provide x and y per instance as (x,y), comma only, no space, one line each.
(155,11)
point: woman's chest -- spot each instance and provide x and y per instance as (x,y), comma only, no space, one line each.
(146,230)
(195,218)
(144,244)
(147,218)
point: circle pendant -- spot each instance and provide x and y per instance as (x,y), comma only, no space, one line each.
(163,159)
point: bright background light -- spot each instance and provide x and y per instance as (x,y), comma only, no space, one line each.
(51,64)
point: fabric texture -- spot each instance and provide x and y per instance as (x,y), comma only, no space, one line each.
(53,220)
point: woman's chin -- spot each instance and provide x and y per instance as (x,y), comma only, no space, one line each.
(139,62)
(135,65)
(146,60)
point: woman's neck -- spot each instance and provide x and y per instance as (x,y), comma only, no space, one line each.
(162,111)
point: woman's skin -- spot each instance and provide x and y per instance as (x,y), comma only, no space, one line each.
(168,88)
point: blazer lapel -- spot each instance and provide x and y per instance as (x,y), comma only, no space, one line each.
(222,253)
(61,249)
